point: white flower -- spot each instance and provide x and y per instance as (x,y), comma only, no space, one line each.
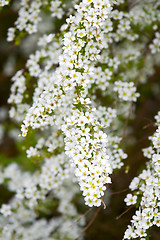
(130,199)
(5,210)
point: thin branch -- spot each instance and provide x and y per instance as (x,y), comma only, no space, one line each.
(90,222)
(92,219)
(103,203)
(124,212)
(124,190)
(78,219)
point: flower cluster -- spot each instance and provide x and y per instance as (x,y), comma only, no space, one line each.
(70,87)
(86,147)
(28,18)
(146,189)
(126,91)
(31,14)
(4,2)
(18,88)
(20,218)
(155,45)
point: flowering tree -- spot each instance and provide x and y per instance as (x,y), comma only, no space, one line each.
(73,100)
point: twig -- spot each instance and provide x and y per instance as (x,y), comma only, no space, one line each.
(92,219)
(78,219)
(124,190)
(124,212)
(90,222)
(103,203)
